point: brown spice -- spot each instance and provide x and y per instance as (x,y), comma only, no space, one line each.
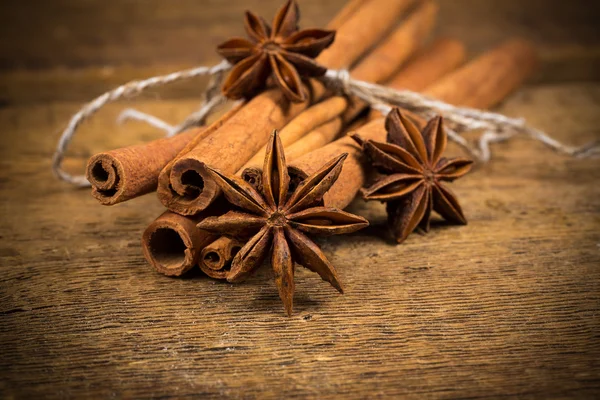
(346,12)
(317,138)
(396,49)
(485,76)
(277,219)
(216,257)
(172,243)
(308,120)
(353,173)
(429,65)
(123,174)
(485,81)
(188,189)
(280,51)
(399,45)
(363,29)
(393,53)
(412,171)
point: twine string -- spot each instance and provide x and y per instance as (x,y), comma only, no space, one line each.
(131,114)
(129,89)
(495,127)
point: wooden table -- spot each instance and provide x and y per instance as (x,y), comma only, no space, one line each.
(506,306)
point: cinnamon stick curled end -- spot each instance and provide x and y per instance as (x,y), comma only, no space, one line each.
(104,173)
(253,175)
(191,187)
(129,172)
(172,243)
(215,259)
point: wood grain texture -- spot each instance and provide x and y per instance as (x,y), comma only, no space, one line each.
(87,47)
(507,306)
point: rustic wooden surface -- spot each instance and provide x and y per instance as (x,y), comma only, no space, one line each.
(506,306)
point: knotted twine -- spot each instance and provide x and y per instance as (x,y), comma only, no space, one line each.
(495,127)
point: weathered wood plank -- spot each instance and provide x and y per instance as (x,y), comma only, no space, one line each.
(507,305)
(90,47)
(95,32)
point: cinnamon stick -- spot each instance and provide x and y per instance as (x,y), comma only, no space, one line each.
(381,63)
(190,189)
(489,78)
(363,29)
(348,10)
(215,258)
(125,173)
(305,122)
(399,45)
(321,136)
(485,77)
(172,243)
(429,65)
(318,137)
(407,36)
(164,190)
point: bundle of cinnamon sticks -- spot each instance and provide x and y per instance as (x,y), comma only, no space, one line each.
(382,41)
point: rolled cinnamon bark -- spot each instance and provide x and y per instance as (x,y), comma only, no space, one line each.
(399,45)
(437,60)
(393,52)
(164,190)
(353,173)
(305,122)
(429,65)
(190,189)
(511,63)
(123,174)
(348,10)
(172,243)
(215,258)
(362,29)
(317,138)
(488,79)
(389,56)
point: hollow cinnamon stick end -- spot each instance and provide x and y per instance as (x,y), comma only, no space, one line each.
(105,174)
(190,188)
(172,243)
(215,259)
(297,175)
(253,175)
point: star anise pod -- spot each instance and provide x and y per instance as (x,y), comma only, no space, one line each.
(276,221)
(281,51)
(412,171)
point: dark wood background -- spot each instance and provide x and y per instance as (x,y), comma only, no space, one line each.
(506,306)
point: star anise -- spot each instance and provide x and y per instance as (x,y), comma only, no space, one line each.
(283,52)
(276,221)
(412,171)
